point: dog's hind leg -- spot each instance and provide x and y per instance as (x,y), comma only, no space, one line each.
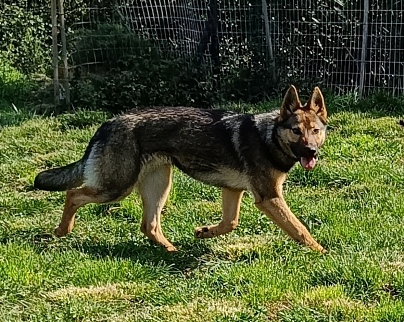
(110,173)
(231,200)
(77,198)
(154,188)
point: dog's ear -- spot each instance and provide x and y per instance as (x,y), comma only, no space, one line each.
(291,103)
(316,103)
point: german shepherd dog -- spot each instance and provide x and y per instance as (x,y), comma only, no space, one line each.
(235,152)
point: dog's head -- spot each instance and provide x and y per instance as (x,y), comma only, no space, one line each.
(302,128)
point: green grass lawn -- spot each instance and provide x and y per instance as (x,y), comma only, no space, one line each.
(106,270)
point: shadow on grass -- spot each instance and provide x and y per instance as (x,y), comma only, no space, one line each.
(189,256)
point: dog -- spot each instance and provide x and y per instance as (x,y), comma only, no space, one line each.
(235,152)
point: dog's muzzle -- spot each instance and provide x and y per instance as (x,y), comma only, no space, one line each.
(308,157)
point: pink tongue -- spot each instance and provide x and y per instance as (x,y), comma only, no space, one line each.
(308,163)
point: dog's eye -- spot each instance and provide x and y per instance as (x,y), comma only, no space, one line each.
(315,131)
(296,131)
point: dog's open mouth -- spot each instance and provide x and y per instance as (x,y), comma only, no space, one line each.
(308,163)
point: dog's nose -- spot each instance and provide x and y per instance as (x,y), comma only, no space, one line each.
(310,150)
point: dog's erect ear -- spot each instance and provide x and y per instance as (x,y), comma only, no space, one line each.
(316,104)
(291,103)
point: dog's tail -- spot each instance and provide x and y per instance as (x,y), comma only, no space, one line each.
(61,179)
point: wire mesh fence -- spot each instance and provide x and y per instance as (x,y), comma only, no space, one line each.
(319,40)
(200,30)
(312,41)
(333,41)
(180,23)
(242,45)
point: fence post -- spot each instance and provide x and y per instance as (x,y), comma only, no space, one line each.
(364,47)
(65,75)
(55,51)
(269,40)
(214,46)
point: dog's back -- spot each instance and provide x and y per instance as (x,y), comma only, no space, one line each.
(215,147)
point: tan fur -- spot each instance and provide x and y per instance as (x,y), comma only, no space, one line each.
(271,202)
(309,118)
(274,206)
(154,189)
(231,200)
(75,199)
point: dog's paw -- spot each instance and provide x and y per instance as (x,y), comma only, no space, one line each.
(171,249)
(59,232)
(204,232)
(322,250)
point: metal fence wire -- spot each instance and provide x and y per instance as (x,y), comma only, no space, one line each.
(342,45)
(340,42)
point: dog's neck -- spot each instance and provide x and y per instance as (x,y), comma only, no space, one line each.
(279,157)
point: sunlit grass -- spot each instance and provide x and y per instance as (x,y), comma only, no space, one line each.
(106,270)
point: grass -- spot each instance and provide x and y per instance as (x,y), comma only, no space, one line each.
(13,84)
(107,271)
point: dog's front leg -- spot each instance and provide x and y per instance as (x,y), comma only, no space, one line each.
(277,209)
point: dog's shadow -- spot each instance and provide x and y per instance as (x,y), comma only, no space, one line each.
(189,256)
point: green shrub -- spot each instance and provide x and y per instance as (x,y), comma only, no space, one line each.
(146,83)
(24,39)
(127,71)
(14,86)
(108,47)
